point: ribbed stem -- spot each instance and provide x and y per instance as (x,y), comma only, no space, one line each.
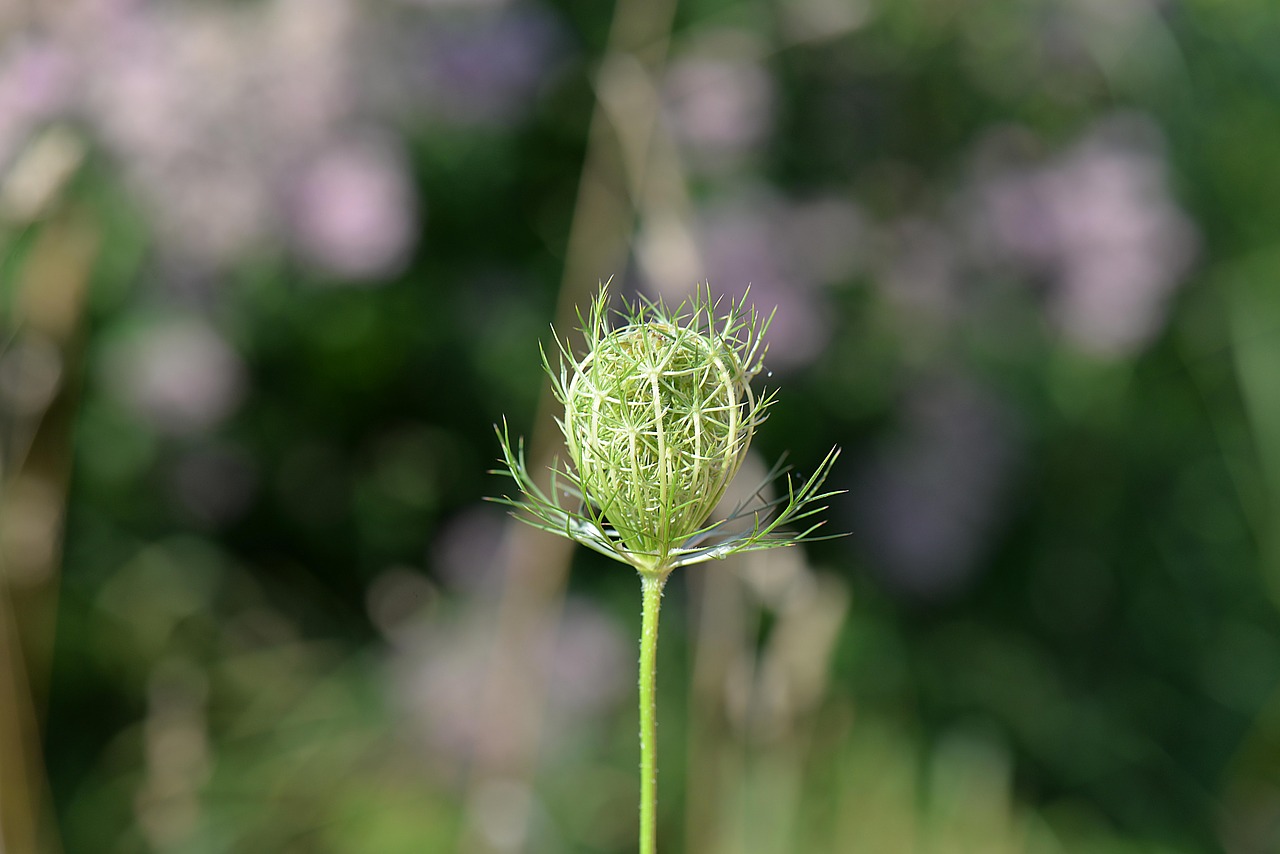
(651,584)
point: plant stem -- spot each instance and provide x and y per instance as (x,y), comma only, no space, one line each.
(651,584)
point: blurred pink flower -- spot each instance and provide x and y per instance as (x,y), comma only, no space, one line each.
(36,85)
(439,670)
(485,68)
(931,501)
(720,100)
(179,375)
(591,665)
(212,111)
(786,251)
(170,91)
(354,210)
(1098,223)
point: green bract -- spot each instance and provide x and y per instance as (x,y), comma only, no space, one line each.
(658,417)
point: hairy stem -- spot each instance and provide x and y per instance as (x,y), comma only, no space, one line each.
(651,584)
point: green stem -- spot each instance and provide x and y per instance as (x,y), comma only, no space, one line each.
(651,584)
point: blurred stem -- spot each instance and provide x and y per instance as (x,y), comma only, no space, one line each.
(19,757)
(651,585)
(35,458)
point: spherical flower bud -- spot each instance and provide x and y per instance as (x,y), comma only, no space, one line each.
(658,419)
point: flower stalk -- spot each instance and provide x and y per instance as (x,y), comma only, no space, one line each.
(651,585)
(659,415)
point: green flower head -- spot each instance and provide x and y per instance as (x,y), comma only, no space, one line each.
(658,417)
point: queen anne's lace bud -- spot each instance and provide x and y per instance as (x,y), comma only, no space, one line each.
(658,417)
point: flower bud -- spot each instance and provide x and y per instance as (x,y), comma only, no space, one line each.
(658,419)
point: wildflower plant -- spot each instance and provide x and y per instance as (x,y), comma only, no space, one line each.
(659,415)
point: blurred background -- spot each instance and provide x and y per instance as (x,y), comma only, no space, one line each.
(270,270)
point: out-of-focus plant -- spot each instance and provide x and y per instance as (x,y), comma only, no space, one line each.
(658,417)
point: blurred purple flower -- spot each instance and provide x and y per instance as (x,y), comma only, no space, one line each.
(354,211)
(486,69)
(439,672)
(591,665)
(36,85)
(930,503)
(170,91)
(437,680)
(179,375)
(211,111)
(1098,224)
(741,249)
(719,100)
(786,252)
